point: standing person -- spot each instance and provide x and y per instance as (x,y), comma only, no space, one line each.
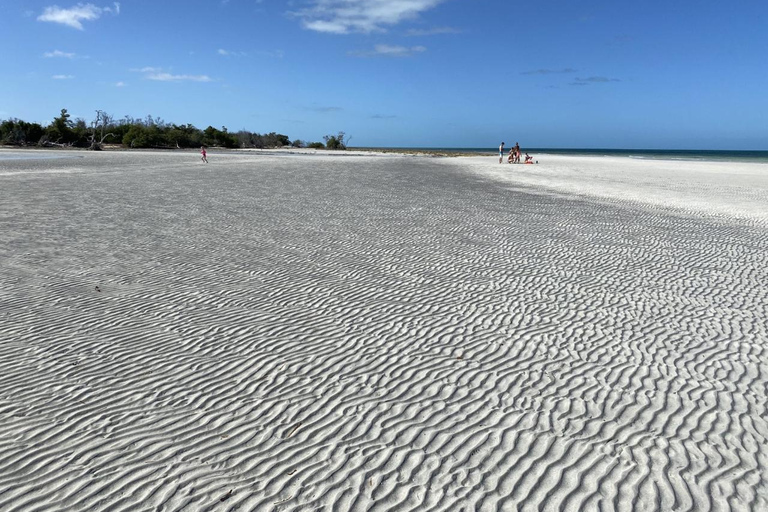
(517,153)
(501,153)
(205,155)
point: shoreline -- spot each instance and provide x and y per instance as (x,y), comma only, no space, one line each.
(683,156)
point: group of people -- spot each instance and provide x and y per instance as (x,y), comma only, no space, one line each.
(514,155)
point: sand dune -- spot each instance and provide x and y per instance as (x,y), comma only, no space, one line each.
(309,332)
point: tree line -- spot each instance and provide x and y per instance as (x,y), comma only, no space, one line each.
(143,133)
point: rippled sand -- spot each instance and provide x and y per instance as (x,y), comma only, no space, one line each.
(309,332)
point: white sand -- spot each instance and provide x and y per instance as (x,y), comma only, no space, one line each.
(313,332)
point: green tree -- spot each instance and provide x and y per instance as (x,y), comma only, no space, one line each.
(137,136)
(60,130)
(210,136)
(80,134)
(135,133)
(275,140)
(21,133)
(335,141)
(214,137)
(228,140)
(177,137)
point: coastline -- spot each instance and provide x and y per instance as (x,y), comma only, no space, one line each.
(740,156)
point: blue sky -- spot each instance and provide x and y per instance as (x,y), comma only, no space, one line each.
(687,74)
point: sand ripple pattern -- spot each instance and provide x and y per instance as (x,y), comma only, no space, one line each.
(367,334)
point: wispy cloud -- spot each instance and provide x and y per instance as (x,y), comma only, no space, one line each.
(385,50)
(160,75)
(325,110)
(147,69)
(274,54)
(74,16)
(168,77)
(594,80)
(346,16)
(59,53)
(435,31)
(577,81)
(120,84)
(380,116)
(229,53)
(62,77)
(549,71)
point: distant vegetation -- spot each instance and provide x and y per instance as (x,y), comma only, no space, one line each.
(143,133)
(335,141)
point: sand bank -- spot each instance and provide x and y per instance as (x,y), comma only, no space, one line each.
(310,332)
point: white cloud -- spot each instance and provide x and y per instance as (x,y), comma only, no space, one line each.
(74,16)
(120,84)
(228,53)
(168,77)
(345,16)
(62,77)
(158,74)
(59,53)
(386,50)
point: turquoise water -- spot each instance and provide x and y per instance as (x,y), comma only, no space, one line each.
(655,154)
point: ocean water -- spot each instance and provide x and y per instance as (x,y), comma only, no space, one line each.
(654,154)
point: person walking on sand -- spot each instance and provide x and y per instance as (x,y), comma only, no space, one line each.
(501,153)
(205,155)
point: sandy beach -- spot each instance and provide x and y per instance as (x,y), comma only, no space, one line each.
(297,331)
